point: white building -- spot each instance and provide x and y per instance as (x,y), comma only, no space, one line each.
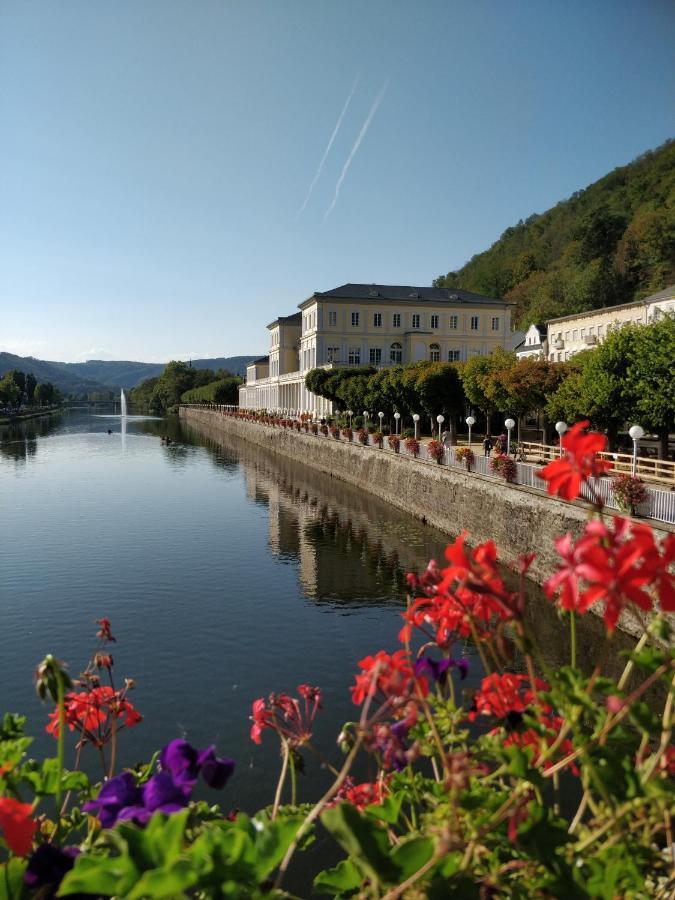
(568,335)
(370,324)
(535,343)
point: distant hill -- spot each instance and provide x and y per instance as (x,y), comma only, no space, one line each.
(97,374)
(610,243)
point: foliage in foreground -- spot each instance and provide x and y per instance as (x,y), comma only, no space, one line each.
(541,784)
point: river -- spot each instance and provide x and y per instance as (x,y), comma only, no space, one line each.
(227,574)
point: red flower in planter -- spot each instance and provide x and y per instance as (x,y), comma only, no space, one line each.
(92,713)
(613,565)
(500,695)
(16,824)
(360,795)
(564,476)
(291,719)
(393,676)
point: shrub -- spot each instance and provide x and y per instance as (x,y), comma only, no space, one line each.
(378,439)
(408,433)
(357,422)
(504,466)
(629,492)
(436,450)
(394,442)
(412,445)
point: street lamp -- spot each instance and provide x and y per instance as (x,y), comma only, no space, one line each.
(470,421)
(508,424)
(397,416)
(636,432)
(440,420)
(381,416)
(416,420)
(350,414)
(561,428)
(365,419)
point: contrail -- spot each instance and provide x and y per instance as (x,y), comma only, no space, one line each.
(328,146)
(357,144)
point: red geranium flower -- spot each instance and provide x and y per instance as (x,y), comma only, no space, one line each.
(565,475)
(500,695)
(17,826)
(284,714)
(613,565)
(92,713)
(360,795)
(393,675)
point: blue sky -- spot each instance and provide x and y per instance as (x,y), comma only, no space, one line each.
(155,154)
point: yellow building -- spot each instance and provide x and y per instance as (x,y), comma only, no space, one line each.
(371,324)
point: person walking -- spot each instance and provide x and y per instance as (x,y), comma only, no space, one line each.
(487,445)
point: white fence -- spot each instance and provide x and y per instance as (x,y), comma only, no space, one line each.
(659,504)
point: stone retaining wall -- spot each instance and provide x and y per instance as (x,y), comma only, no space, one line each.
(519,519)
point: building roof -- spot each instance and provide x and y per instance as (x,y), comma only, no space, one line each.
(666,294)
(259,361)
(598,312)
(294,319)
(407,293)
(516,338)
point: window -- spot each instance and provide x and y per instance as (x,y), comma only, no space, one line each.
(583,332)
(599,330)
(354,356)
(474,323)
(396,352)
(434,321)
(355,319)
(591,329)
(332,317)
(332,354)
(454,321)
(377,320)
(567,335)
(397,320)
(435,352)
(495,323)
(415,320)
(375,356)
(453,355)
(575,334)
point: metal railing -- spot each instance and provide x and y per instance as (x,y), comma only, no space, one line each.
(661,471)
(659,504)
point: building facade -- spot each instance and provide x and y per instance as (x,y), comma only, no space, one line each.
(568,335)
(535,343)
(371,324)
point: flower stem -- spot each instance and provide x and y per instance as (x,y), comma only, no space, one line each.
(282,778)
(573,640)
(61,700)
(291,761)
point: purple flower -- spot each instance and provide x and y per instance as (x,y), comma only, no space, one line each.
(116,794)
(47,866)
(215,770)
(185,763)
(438,670)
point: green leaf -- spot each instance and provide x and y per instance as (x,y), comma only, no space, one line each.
(11,879)
(100,875)
(389,810)
(409,856)
(44,779)
(365,842)
(272,843)
(342,879)
(169,881)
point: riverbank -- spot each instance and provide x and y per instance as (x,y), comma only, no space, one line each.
(24,417)
(519,519)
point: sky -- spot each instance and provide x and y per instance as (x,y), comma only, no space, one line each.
(175,174)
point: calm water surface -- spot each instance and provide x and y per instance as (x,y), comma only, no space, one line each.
(227,574)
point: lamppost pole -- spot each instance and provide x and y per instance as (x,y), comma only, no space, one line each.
(508,424)
(470,421)
(350,414)
(561,428)
(365,419)
(380,416)
(416,420)
(397,417)
(636,432)
(440,420)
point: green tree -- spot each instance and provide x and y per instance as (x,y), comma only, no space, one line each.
(478,381)
(31,383)
(441,392)
(10,395)
(651,379)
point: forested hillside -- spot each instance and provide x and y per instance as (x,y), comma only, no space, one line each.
(610,243)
